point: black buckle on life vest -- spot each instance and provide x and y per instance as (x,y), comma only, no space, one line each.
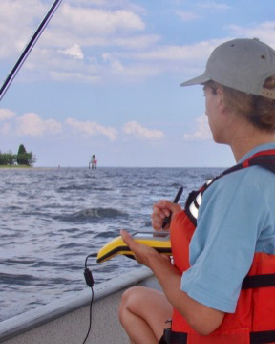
(166,338)
(171,337)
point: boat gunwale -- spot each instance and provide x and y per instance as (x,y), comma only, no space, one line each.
(42,315)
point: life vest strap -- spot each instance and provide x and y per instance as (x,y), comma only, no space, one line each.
(257,337)
(261,337)
(258,281)
(264,160)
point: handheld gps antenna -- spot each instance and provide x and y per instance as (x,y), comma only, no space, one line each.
(176,200)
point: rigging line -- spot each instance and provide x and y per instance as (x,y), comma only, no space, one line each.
(28,48)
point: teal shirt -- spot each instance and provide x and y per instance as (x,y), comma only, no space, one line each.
(236,219)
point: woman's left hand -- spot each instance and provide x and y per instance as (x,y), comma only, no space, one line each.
(144,254)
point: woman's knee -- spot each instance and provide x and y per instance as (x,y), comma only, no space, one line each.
(131,301)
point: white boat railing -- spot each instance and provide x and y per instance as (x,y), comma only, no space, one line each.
(66,321)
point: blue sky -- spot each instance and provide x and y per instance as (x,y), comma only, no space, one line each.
(104,79)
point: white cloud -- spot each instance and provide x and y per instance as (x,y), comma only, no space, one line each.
(31,124)
(131,52)
(133,128)
(92,128)
(202,131)
(135,70)
(136,42)
(5,129)
(196,52)
(113,36)
(187,16)
(186,60)
(90,21)
(212,5)
(70,24)
(110,5)
(74,51)
(73,30)
(6,114)
(16,24)
(263,31)
(77,77)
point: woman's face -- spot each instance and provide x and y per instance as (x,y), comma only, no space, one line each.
(213,113)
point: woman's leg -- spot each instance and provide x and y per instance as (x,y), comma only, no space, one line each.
(143,312)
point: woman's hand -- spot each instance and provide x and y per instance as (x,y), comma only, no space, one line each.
(163,209)
(144,254)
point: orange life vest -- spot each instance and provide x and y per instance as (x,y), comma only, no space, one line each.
(254,319)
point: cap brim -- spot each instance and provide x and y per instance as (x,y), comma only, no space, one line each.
(196,81)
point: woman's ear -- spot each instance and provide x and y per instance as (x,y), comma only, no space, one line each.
(219,93)
(220,100)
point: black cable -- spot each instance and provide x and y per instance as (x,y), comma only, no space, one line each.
(89,256)
(91,311)
(90,283)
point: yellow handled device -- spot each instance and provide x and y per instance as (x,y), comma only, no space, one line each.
(158,240)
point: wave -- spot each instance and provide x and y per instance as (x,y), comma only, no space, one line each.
(90,214)
(106,235)
(69,230)
(16,279)
(83,187)
(22,261)
(70,245)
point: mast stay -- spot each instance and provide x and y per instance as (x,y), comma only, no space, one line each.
(28,48)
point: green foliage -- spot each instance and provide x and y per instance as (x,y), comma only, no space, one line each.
(21,158)
(7,158)
(21,150)
(24,159)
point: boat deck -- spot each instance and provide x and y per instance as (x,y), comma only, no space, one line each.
(66,321)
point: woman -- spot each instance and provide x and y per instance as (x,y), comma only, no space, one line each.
(226,232)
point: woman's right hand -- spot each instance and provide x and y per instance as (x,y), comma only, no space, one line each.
(163,209)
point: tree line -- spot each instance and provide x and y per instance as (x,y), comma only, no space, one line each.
(21,158)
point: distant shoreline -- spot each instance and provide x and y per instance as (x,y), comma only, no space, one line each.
(14,166)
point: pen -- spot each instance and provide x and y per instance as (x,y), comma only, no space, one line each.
(176,200)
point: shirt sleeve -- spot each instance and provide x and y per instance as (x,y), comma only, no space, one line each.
(223,245)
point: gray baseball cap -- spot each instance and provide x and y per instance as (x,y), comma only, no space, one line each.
(242,64)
